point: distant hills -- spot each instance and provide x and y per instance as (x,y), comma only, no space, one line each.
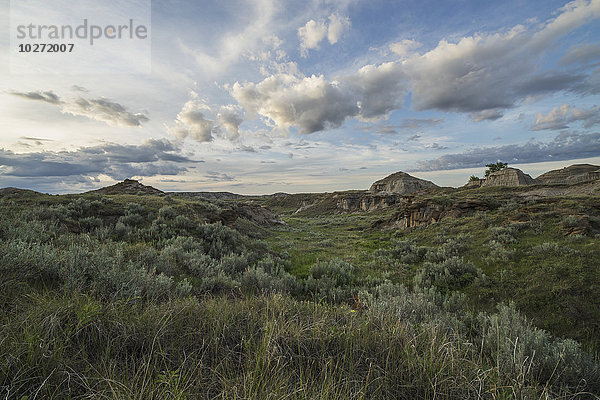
(398,183)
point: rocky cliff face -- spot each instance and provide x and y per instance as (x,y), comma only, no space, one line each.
(422,212)
(576,173)
(508,177)
(400,183)
(368,201)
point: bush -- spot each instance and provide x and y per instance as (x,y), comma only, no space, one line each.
(330,279)
(167,213)
(220,240)
(448,275)
(404,251)
(519,349)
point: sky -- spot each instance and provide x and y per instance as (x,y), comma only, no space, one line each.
(268,96)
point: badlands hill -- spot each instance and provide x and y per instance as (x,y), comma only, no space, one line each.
(401,183)
(128,186)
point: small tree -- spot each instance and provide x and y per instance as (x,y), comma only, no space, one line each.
(473,178)
(491,168)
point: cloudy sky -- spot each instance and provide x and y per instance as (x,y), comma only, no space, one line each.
(262,96)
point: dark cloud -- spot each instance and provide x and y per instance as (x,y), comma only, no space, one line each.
(248,149)
(79,89)
(104,110)
(486,115)
(565,146)
(219,177)
(549,82)
(582,54)
(34,139)
(153,157)
(48,97)
(95,109)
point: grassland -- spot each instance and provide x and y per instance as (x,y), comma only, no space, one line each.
(148,297)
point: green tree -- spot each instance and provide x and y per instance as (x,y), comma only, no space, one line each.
(473,178)
(494,167)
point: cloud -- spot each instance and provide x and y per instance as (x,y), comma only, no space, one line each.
(219,177)
(310,35)
(313,32)
(565,146)
(486,115)
(48,97)
(405,47)
(105,111)
(153,157)
(561,117)
(78,88)
(436,146)
(419,123)
(377,90)
(337,26)
(480,75)
(494,71)
(99,109)
(309,103)
(229,118)
(191,121)
(248,149)
(582,54)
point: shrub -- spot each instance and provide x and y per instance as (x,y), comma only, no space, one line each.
(167,213)
(448,275)
(330,279)
(503,234)
(519,349)
(220,240)
(404,251)
(90,223)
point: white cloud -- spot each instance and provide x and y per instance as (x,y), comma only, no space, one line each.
(313,32)
(481,75)
(309,103)
(337,26)
(229,118)
(311,35)
(561,117)
(191,121)
(405,47)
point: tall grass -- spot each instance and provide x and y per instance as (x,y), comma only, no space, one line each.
(185,311)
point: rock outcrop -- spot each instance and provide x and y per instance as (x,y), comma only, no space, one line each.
(576,173)
(474,183)
(508,177)
(415,212)
(368,201)
(400,183)
(129,186)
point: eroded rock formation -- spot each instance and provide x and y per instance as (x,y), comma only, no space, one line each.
(400,183)
(508,177)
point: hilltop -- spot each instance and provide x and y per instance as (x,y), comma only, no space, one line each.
(128,186)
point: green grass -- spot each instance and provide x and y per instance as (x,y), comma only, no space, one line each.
(73,346)
(165,310)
